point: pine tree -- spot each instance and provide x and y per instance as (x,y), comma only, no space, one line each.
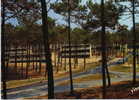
(103,49)
(47,50)
(3,51)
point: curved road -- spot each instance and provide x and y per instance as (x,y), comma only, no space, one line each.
(38,89)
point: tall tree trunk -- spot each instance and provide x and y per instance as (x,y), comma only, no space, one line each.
(40,58)
(123,49)
(47,50)
(107,70)
(69,39)
(27,60)
(33,55)
(7,58)
(55,50)
(65,60)
(76,58)
(36,58)
(60,57)
(3,52)
(103,49)
(22,63)
(108,76)
(15,60)
(74,63)
(58,62)
(134,43)
(84,57)
(84,63)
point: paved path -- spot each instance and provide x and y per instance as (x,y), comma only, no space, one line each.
(41,88)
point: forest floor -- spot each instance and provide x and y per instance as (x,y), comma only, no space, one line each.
(118,90)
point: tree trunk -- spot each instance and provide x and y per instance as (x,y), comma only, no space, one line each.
(40,58)
(69,39)
(3,52)
(36,58)
(47,50)
(22,63)
(7,57)
(58,62)
(61,59)
(15,60)
(108,76)
(103,49)
(27,59)
(107,71)
(33,55)
(76,58)
(123,54)
(65,63)
(55,50)
(84,57)
(84,63)
(134,43)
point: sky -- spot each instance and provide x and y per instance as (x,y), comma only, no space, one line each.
(125,20)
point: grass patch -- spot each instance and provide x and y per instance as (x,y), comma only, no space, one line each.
(90,77)
(86,78)
(19,83)
(123,68)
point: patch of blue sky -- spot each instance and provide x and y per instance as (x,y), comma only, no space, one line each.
(60,19)
(13,21)
(125,20)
